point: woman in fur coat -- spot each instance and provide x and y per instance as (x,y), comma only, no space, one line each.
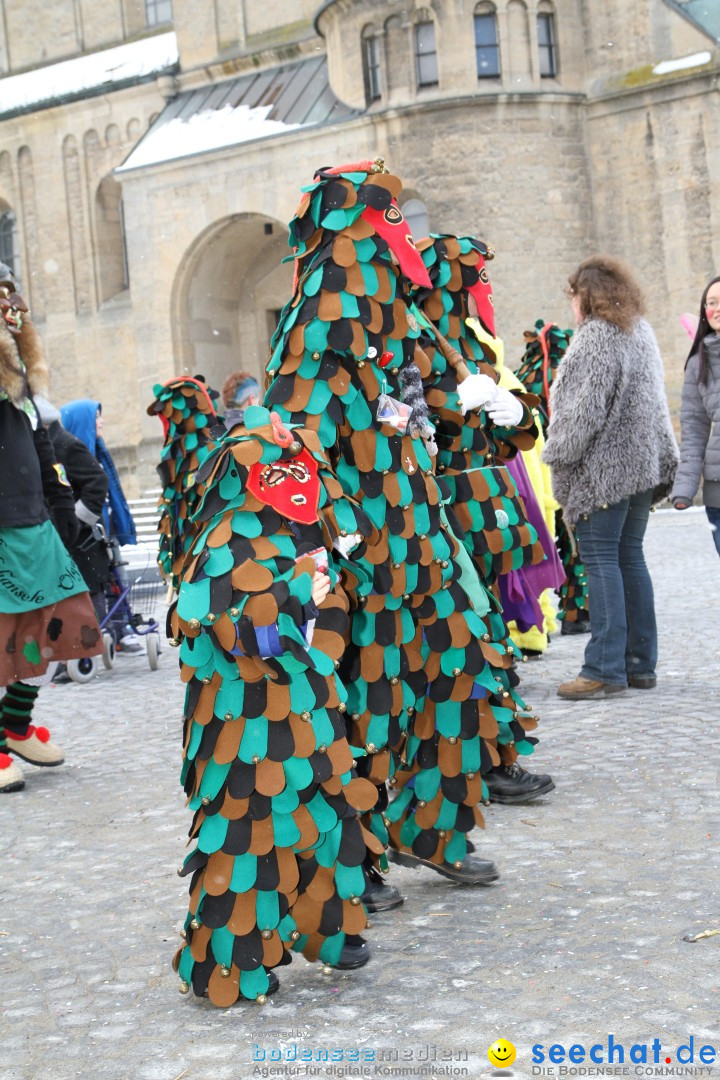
(45,610)
(613,455)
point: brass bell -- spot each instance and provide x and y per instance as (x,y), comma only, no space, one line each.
(183,987)
(295,447)
(225,972)
(266,934)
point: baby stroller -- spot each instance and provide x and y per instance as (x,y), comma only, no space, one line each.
(124,594)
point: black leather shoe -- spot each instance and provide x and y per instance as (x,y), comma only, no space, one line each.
(468,872)
(380,897)
(642,682)
(581,626)
(512,784)
(355,954)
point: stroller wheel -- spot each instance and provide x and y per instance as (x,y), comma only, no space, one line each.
(82,671)
(108,653)
(152,644)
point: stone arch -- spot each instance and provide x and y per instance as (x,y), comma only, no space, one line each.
(416,213)
(134,131)
(398,56)
(77,224)
(110,250)
(518,33)
(33,276)
(113,136)
(229,288)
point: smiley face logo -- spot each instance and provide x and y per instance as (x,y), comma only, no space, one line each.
(501,1053)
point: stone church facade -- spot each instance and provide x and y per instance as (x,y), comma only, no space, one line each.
(152,151)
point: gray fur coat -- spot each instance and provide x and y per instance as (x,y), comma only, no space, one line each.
(700,423)
(610,434)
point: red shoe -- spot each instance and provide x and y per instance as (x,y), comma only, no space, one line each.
(35,746)
(11,777)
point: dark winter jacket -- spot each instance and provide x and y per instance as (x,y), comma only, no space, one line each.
(610,434)
(29,472)
(700,423)
(90,487)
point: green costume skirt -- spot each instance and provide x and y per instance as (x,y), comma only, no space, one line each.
(45,609)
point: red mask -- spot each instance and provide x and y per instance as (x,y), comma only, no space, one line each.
(12,308)
(392,226)
(291,487)
(482,291)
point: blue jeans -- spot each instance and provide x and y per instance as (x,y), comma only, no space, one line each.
(623,638)
(713,513)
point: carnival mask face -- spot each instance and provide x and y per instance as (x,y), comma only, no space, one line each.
(12,307)
(481,293)
(292,487)
(392,226)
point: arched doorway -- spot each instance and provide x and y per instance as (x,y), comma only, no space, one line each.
(228,292)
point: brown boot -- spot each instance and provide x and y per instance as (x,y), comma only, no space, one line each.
(581,688)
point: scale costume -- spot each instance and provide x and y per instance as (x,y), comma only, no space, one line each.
(546,346)
(492,517)
(347,342)
(278,846)
(187,411)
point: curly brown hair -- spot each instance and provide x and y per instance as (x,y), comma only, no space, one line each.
(232,385)
(606,289)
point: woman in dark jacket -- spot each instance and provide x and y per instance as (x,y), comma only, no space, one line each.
(45,611)
(700,415)
(613,454)
(90,485)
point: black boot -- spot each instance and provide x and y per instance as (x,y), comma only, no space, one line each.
(580,626)
(469,871)
(355,953)
(512,784)
(378,896)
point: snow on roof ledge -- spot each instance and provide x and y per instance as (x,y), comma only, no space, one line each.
(665,67)
(212,129)
(123,63)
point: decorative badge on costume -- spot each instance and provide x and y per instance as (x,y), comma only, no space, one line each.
(290,487)
(482,291)
(392,226)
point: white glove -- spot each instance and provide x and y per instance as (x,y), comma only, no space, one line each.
(476,392)
(346,544)
(507,410)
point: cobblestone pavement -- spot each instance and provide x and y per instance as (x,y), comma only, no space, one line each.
(581,938)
